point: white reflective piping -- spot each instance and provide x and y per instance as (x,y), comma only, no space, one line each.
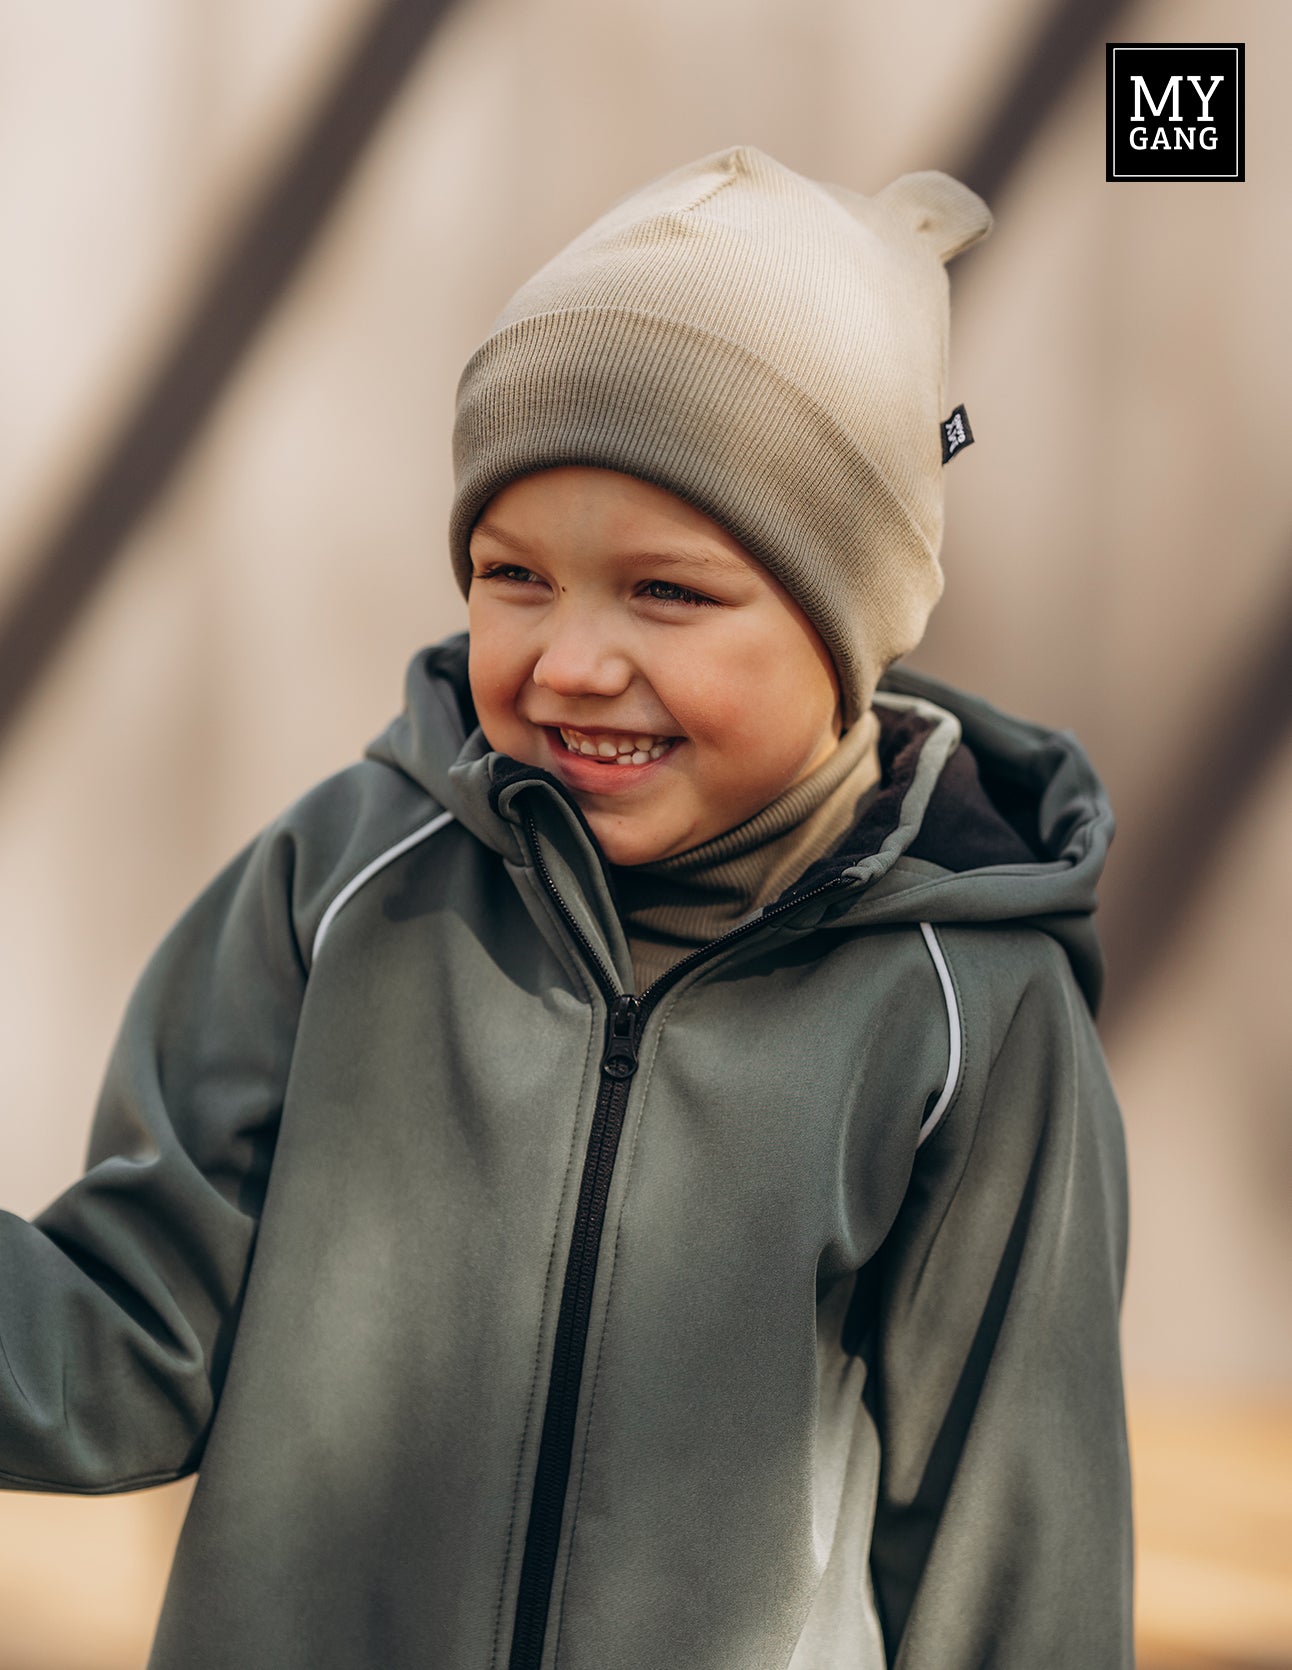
(953,1036)
(370,870)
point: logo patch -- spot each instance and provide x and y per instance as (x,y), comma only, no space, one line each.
(956,433)
(1175,112)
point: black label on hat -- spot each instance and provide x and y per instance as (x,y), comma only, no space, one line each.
(956,433)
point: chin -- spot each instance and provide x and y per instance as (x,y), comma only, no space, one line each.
(629,846)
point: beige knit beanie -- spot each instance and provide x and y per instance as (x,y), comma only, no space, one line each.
(771,349)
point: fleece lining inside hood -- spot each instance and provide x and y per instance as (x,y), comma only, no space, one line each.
(964,827)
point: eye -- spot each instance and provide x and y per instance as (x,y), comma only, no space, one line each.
(507,571)
(664,591)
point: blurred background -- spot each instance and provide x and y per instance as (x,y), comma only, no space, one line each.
(247,250)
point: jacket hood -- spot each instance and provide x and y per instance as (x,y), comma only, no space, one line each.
(981,817)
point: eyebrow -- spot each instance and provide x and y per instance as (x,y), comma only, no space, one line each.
(710,557)
(500,534)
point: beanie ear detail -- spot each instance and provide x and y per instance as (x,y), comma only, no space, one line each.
(939,208)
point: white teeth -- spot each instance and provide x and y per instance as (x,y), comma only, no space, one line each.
(624,750)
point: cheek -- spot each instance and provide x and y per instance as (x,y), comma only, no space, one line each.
(495,668)
(756,730)
(745,717)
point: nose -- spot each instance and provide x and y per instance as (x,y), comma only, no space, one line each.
(580,656)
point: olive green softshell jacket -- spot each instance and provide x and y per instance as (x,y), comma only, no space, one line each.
(766,1320)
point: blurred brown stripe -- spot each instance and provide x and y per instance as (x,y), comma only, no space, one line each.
(1067,40)
(172,406)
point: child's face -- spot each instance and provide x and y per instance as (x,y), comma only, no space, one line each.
(624,641)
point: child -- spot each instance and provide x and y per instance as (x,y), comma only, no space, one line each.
(625,1175)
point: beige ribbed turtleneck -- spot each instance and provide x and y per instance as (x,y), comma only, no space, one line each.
(676,904)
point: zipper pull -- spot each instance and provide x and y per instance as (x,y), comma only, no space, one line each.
(620,1059)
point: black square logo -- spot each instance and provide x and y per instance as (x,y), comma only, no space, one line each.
(1175,112)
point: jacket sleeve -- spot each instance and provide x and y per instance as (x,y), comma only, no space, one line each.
(118,1302)
(1003,1525)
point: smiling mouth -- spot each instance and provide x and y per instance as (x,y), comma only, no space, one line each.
(617,748)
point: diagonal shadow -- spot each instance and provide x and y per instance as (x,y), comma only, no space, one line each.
(1047,66)
(169,411)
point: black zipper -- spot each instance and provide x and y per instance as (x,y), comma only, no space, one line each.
(625,1017)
